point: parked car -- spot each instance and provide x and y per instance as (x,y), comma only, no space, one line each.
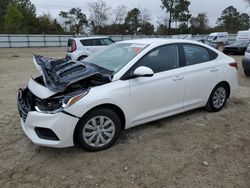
(243,35)
(246,61)
(216,46)
(124,85)
(219,37)
(238,47)
(80,48)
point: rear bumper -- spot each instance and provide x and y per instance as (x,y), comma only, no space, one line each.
(62,125)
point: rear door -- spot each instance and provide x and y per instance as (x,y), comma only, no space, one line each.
(201,74)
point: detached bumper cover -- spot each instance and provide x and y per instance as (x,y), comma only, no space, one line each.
(61,124)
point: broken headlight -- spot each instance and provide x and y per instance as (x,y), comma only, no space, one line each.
(58,103)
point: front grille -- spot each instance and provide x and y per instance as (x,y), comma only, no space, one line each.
(24,103)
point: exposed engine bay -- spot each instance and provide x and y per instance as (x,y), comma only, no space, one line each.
(65,81)
(61,75)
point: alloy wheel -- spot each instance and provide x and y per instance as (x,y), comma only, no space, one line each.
(219,97)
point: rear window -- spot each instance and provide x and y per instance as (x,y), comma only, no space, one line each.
(97,42)
(195,54)
(88,42)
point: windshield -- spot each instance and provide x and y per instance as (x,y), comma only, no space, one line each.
(207,42)
(116,56)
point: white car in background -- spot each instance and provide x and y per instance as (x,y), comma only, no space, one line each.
(126,84)
(81,47)
(218,38)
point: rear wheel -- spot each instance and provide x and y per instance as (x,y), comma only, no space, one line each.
(98,130)
(218,98)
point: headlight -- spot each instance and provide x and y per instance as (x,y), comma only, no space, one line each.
(72,99)
(58,103)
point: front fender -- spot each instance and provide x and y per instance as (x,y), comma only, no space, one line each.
(83,106)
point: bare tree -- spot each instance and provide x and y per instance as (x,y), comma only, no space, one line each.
(99,13)
(75,19)
(119,14)
(145,16)
(163,20)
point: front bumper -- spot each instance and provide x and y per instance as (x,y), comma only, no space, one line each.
(51,130)
(61,124)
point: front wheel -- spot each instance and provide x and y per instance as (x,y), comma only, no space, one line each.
(98,130)
(218,98)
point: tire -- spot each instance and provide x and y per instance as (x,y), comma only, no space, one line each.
(81,58)
(246,73)
(218,98)
(91,132)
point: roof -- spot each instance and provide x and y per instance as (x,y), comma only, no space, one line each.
(149,41)
(92,37)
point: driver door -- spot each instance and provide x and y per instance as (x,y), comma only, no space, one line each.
(162,94)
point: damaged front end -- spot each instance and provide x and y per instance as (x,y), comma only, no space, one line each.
(61,84)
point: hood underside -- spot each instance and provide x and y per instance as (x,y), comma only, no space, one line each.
(58,74)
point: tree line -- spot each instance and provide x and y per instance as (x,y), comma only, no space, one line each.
(19,16)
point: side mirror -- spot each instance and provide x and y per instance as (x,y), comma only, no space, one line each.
(143,72)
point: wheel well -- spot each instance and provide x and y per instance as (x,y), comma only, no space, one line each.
(115,108)
(82,56)
(227,86)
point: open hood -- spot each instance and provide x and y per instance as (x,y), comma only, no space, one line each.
(58,74)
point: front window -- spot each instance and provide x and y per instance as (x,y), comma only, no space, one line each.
(116,56)
(211,37)
(106,41)
(161,59)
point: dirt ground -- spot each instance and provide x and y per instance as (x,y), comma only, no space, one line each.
(194,149)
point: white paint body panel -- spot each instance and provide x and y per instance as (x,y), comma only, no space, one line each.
(39,90)
(142,99)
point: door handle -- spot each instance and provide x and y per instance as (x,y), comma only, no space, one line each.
(176,78)
(213,70)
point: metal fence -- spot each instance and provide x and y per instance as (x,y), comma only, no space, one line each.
(26,41)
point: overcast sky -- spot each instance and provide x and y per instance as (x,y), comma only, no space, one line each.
(213,8)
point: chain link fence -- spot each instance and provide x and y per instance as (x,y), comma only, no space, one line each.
(27,41)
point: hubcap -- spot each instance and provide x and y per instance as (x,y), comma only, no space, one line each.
(98,131)
(219,97)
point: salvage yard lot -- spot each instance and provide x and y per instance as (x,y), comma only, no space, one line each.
(193,149)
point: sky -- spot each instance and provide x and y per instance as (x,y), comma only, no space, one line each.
(213,8)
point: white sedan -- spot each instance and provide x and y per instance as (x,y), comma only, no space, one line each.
(126,84)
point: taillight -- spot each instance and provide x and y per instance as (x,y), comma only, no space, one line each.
(234,64)
(73,45)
